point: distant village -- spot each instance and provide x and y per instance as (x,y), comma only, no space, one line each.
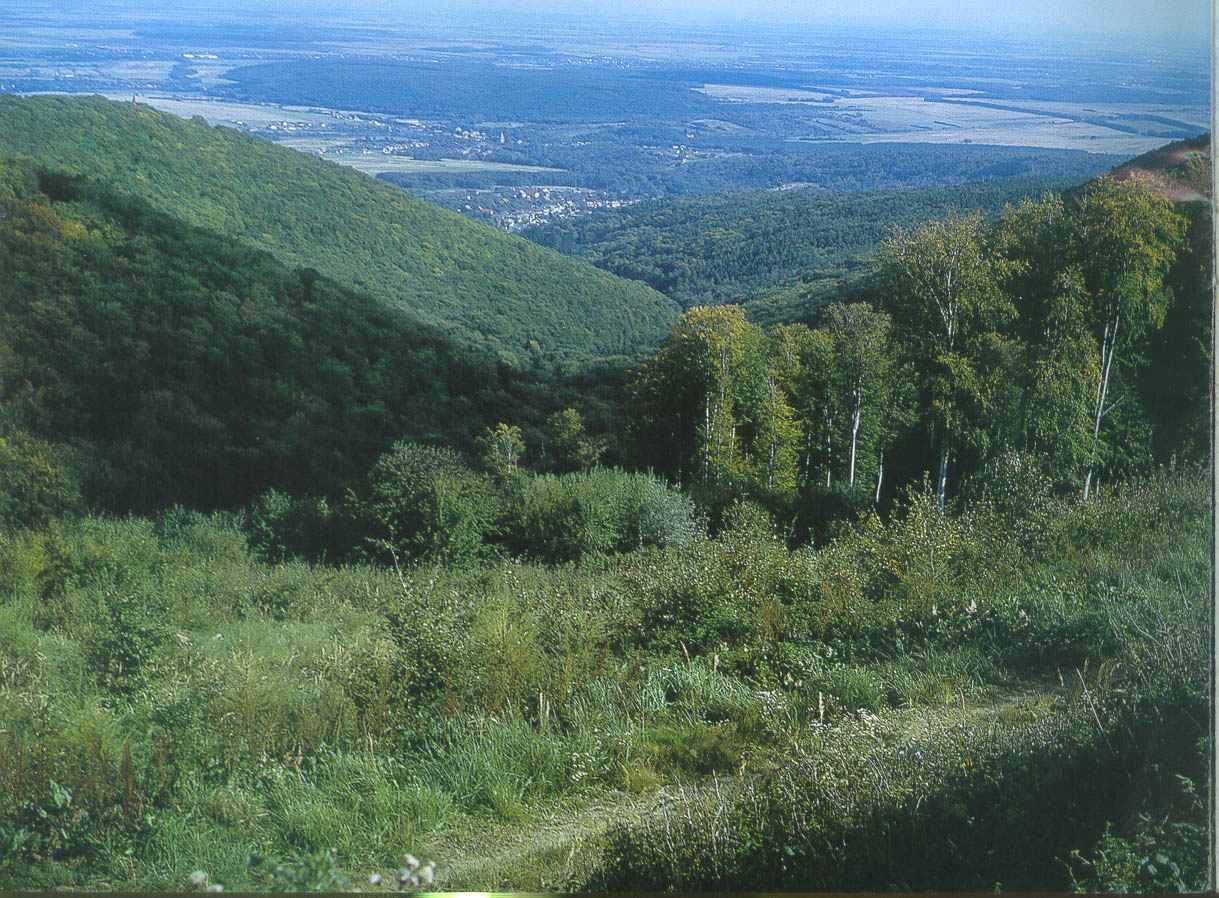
(358,139)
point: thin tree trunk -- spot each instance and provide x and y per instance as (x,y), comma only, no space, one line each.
(880,474)
(854,442)
(1108,351)
(829,467)
(774,430)
(942,485)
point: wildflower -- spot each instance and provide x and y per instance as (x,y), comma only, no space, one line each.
(412,862)
(198,879)
(428,874)
(374,879)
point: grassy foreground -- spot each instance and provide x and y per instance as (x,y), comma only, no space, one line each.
(1014,695)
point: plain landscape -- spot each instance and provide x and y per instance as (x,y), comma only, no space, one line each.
(651,458)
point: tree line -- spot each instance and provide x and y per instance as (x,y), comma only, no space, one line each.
(1030,337)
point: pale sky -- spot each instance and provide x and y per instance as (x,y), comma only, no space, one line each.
(1182,21)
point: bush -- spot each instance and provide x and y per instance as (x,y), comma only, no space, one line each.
(564,518)
(425,503)
(280,527)
(35,485)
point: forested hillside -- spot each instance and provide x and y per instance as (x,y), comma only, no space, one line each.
(183,366)
(498,292)
(780,254)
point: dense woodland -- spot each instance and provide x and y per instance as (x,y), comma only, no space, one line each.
(174,365)
(498,293)
(926,571)
(780,254)
(1034,335)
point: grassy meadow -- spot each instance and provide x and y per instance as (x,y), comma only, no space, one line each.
(907,706)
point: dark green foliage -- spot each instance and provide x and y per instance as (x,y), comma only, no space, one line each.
(782,255)
(481,286)
(972,810)
(1023,338)
(36,484)
(1175,366)
(426,504)
(280,527)
(563,518)
(1164,854)
(189,368)
(569,445)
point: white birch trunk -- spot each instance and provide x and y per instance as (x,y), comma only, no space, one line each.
(942,485)
(854,437)
(1108,351)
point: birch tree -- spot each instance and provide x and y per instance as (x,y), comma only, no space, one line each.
(1061,367)
(940,282)
(687,393)
(806,367)
(861,338)
(1127,237)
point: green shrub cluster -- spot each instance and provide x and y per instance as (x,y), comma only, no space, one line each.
(563,518)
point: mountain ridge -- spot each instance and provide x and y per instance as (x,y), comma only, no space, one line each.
(496,291)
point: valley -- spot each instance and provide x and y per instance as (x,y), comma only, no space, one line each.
(588,120)
(495,448)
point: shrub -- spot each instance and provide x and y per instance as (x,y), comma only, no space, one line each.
(35,485)
(564,518)
(426,503)
(280,527)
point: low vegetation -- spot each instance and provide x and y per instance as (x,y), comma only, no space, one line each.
(172,703)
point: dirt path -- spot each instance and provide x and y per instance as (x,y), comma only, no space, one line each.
(545,852)
(556,848)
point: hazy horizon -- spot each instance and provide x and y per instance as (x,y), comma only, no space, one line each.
(1185,23)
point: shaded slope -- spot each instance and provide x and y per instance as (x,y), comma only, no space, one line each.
(183,366)
(497,291)
(781,254)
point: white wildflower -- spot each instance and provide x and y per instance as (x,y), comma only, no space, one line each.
(428,874)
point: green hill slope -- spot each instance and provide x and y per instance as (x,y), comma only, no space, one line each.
(780,254)
(178,365)
(1182,169)
(497,291)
